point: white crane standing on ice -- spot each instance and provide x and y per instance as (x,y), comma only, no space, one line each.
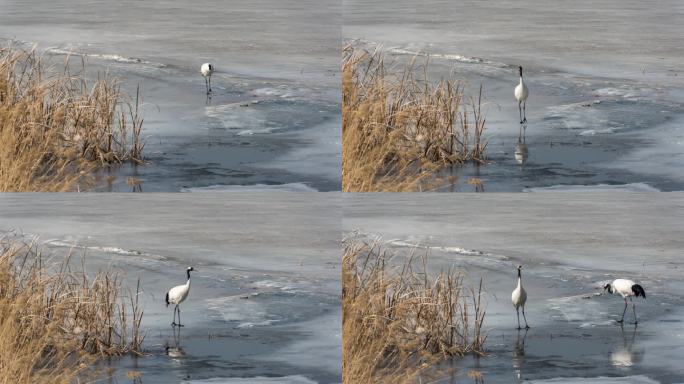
(177,295)
(626,288)
(521,92)
(206,70)
(519,297)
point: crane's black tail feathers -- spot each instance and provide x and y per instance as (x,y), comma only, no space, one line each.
(167,299)
(638,291)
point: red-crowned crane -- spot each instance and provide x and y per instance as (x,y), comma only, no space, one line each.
(521,92)
(177,295)
(519,297)
(206,70)
(626,288)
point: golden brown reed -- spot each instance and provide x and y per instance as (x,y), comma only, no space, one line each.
(399,129)
(398,321)
(55,322)
(57,128)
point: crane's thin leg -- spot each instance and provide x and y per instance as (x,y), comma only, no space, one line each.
(179,321)
(209,84)
(526,326)
(623,312)
(518,312)
(524,111)
(520,111)
(634,310)
(173,323)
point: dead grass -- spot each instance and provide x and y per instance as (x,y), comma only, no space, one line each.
(56,128)
(399,321)
(55,322)
(399,129)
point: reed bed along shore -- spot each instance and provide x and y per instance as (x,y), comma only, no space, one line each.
(399,321)
(58,128)
(56,321)
(399,129)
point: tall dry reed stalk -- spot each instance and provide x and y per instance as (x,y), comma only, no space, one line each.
(55,321)
(399,129)
(57,128)
(399,321)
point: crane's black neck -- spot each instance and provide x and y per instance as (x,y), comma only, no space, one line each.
(188,274)
(520,71)
(519,274)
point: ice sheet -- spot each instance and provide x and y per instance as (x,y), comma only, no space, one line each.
(264,294)
(570,246)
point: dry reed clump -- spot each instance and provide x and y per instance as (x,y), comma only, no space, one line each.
(56,322)
(397,323)
(57,128)
(398,130)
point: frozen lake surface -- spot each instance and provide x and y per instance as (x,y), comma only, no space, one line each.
(569,246)
(274,117)
(264,305)
(606,83)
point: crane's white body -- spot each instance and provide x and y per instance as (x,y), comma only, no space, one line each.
(177,295)
(623,287)
(207,70)
(519,298)
(521,93)
(519,295)
(627,289)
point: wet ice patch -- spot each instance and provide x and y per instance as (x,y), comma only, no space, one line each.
(640,379)
(243,310)
(288,187)
(281,91)
(579,308)
(315,351)
(296,379)
(624,91)
(665,157)
(322,157)
(576,116)
(280,305)
(594,132)
(234,116)
(631,187)
(272,284)
(263,117)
